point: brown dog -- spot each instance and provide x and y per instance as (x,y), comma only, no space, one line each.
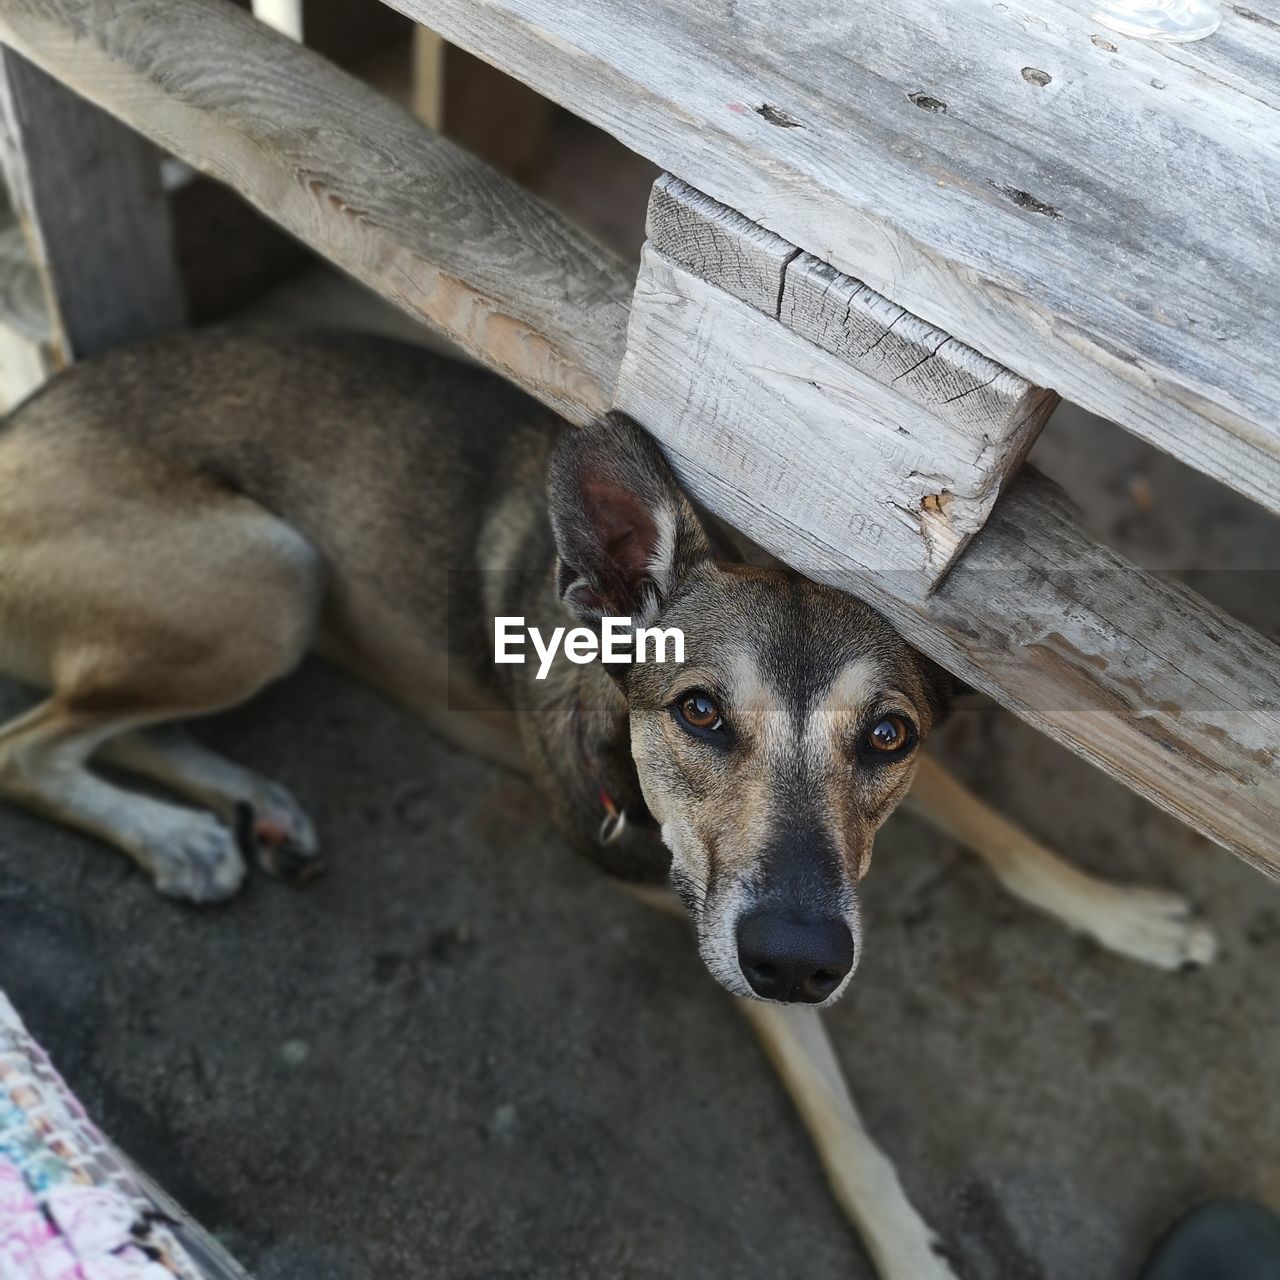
(180,523)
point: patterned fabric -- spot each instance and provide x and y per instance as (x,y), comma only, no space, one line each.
(70,1209)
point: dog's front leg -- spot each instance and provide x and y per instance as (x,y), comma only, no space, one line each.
(862,1177)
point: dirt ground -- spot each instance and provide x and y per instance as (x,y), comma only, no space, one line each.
(464,1055)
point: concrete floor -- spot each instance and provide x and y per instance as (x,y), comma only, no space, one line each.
(463,1055)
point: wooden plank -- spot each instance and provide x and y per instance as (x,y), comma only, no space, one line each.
(26,338)
(1132,671)
(839,451)
(848,319)
(1103,225)
(86,192)
(862,327)
(718,244)
(355,177)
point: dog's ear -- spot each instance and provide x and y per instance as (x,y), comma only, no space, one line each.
(625,533)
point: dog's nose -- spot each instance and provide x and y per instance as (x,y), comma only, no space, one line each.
(787,959)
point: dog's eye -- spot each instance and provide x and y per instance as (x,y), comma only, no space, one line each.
(698,712)
(891,735)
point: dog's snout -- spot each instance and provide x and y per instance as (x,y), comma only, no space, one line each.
(794,960)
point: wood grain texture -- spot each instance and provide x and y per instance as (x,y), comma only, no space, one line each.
(845,317)
(86,192)
(1106,228)
(841,453)
(852,321)
(718,244)
(358,179)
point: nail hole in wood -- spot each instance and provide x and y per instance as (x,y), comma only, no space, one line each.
(1025,200)
(927,103)
(1033,75)
(774,116)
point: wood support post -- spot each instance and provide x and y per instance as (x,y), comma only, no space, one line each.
(86,192)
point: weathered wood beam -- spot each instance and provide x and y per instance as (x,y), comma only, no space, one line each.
(784,440)
(1098,215)
(358,179)
(27,355)
(718,243)
(86,192)
(892,432)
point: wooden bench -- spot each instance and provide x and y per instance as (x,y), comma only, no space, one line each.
(1017,202)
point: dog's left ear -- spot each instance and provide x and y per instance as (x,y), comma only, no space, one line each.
(625,533)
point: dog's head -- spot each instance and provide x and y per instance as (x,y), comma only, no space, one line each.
(774,752)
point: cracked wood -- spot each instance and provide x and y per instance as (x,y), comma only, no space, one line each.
(919,430)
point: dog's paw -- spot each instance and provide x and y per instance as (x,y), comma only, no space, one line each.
(278,835)
(196,861)
(1153,926)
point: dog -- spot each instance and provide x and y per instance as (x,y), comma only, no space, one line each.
(181,522)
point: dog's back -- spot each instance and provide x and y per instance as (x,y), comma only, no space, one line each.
(388,461)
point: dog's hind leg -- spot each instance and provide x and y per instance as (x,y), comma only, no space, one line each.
(268,821)
(140,597)
(1150,925)
(864,1181)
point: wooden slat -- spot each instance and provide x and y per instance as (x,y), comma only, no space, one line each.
(863,328)
(1105,227)
(718,243)
(912,484)
(355,177)
(26,338)
(1134,672)
(846,318)
(856,461)
(86,192)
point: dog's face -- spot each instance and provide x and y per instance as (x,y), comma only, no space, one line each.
(773,753)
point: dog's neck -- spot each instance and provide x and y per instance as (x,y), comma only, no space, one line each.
(582,749)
